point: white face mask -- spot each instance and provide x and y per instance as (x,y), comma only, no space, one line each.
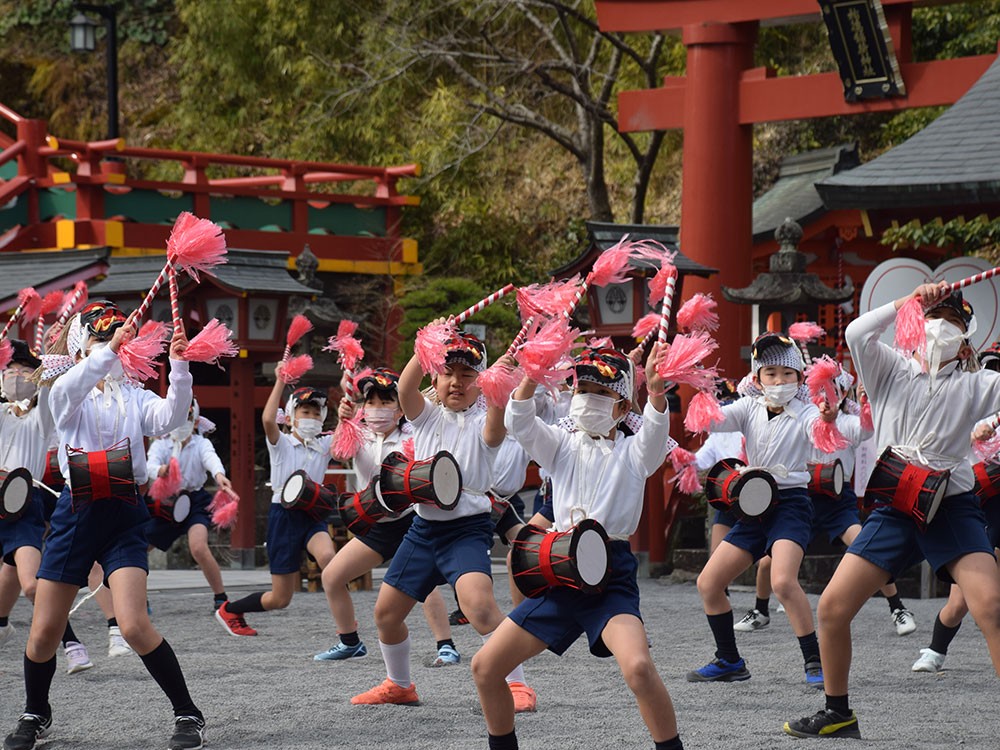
(380,418)
(593,413)
(17,387)
(183,432)
(308,428)
(116,372)
(779,395)
(944,339)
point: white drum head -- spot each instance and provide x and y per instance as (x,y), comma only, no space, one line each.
(755,496)
(838,479)
(182,508)
(447,481)
(16,493)
(293,488)
(591,557)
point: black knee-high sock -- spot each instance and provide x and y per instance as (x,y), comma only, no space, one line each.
(894,602)
(3,622)
(943,635)
(162,664)
(810,647)
(113,622)
(37,680)
(672,744)
(69,635)
(503,741)
(725,638)
(763,606)
(251,603)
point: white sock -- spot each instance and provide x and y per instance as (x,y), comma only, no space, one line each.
(397,662)
(517,673)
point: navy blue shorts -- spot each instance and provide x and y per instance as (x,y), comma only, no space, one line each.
(725,518)
(385,538)
(834,517)
(288,532)
(436,552)
(790,519)
(561,614)
(27,531)
(109,532)
(162,533)
(892,541)
(992,511)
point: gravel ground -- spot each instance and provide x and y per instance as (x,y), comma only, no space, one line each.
(267,692)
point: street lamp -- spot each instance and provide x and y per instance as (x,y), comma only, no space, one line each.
(81,39)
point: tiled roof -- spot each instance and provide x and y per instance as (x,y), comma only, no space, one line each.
(47,271)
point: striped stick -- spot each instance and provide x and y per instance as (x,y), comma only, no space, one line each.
(13,319)
(485,302)
(137,314)
(973,279)
(70,305)
(580,293)
(175,304)
(39,334)
(520,338)
(666,308)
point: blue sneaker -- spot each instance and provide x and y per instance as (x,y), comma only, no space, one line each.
(720,670)
(814,675)
(342,651)
(446,655)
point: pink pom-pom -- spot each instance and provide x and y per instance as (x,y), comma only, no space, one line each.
(604,342)
(293,368)
(298,328)
(547,346)
(646,325)
(987,449)
(347,439)
(821,380)
(698,314)
(429,346)
(640,376)
(612,266)
(30,303)
(138,356)
(169,484)
(51,302)
(806,331)
(703,412)
(225,508)
(910,333)
(196,244)
(213,342)
(658,284)
(827,437)
(686,469)
(681,458)
(680,362)
(498,382)
(548,299)
(866,416)
(6,353)
(408,449)
(346,345)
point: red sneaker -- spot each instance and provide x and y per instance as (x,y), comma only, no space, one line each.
(388,692)
(234,624)
(525,700)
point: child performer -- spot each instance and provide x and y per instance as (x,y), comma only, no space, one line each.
(926,418)
(445,546)
(383,418)
(197,457)
(25,430)
(96,409)
(778,430)
(596,474)
(289,531)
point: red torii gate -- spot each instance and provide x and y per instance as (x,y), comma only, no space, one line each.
(722,96)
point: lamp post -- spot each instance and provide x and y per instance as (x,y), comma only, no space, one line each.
(81,39)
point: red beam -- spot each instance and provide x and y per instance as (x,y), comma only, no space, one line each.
(667,15)
(767,99)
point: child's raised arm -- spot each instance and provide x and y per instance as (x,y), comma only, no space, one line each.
(411,400)
(269,417)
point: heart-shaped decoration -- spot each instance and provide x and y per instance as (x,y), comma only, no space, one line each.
(897,277)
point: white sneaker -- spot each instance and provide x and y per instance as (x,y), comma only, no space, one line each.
(903,619)
(929,661)
(76,655)
(754,619)
(117,645)
(6,633)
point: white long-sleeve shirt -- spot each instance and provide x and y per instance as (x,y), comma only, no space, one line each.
(850,427)
(930,420)
(197,457)
(594,477)
(91,420)
(24,439)
(717,446)
(780,443)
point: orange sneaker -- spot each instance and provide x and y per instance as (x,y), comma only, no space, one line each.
(234,624)
(388,692)
(525,700)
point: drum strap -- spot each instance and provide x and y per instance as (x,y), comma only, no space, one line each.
(545,559)
(100,477)
(983,476)
(910,484)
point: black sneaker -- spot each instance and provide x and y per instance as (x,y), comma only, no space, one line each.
(30,728)
(189,733)
(458,618)
(825,723)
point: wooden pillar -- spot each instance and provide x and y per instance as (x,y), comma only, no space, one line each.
(716,202)
(241,456)
(30,163)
